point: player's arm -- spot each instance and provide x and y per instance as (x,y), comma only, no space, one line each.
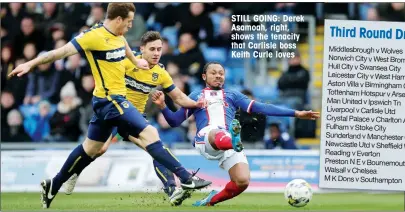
(48,57)
(139,63)
(177,95)
(182,99)
(79,44)
(252,106)
(174,119)
(53,55)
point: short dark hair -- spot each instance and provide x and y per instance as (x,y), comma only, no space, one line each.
(211,63)
(119,9)
(150,36)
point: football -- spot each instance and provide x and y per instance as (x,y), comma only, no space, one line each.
(298,193)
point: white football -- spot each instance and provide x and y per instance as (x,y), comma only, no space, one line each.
(298,193)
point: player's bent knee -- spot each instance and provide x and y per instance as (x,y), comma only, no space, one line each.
(91,147)
(104,148)
(212,133)
(211,137)
(242,181)
(149,132)
(148,136)
(102,151)
(240,174)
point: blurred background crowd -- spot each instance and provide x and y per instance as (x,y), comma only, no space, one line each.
(52,103)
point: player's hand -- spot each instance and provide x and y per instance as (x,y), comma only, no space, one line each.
(158,98)
(202,103)
(142,64)
(20,70)
(307,115)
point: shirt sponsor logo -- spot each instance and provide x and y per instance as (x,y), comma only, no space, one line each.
(115,54)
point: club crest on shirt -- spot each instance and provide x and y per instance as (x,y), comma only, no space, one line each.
(155,77)
(125,104)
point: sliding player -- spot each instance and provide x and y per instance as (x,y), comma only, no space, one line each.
(213,140)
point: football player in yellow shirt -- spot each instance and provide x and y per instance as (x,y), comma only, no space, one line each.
(105,49)
(139,84)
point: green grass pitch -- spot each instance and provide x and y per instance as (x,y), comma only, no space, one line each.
(158,202)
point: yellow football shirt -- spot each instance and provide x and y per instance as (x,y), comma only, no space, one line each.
(140,83)
(105,53)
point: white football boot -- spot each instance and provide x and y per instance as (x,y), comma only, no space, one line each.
(70,184)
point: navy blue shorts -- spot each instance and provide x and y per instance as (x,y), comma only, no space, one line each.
(112,112)
(124,134)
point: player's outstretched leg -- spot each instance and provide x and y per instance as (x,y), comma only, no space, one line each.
(70,184)
(176,195)
(166,176)
(231,190)
(221,140)
(162,155)
(240,176)
(77,160)
(147,137)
